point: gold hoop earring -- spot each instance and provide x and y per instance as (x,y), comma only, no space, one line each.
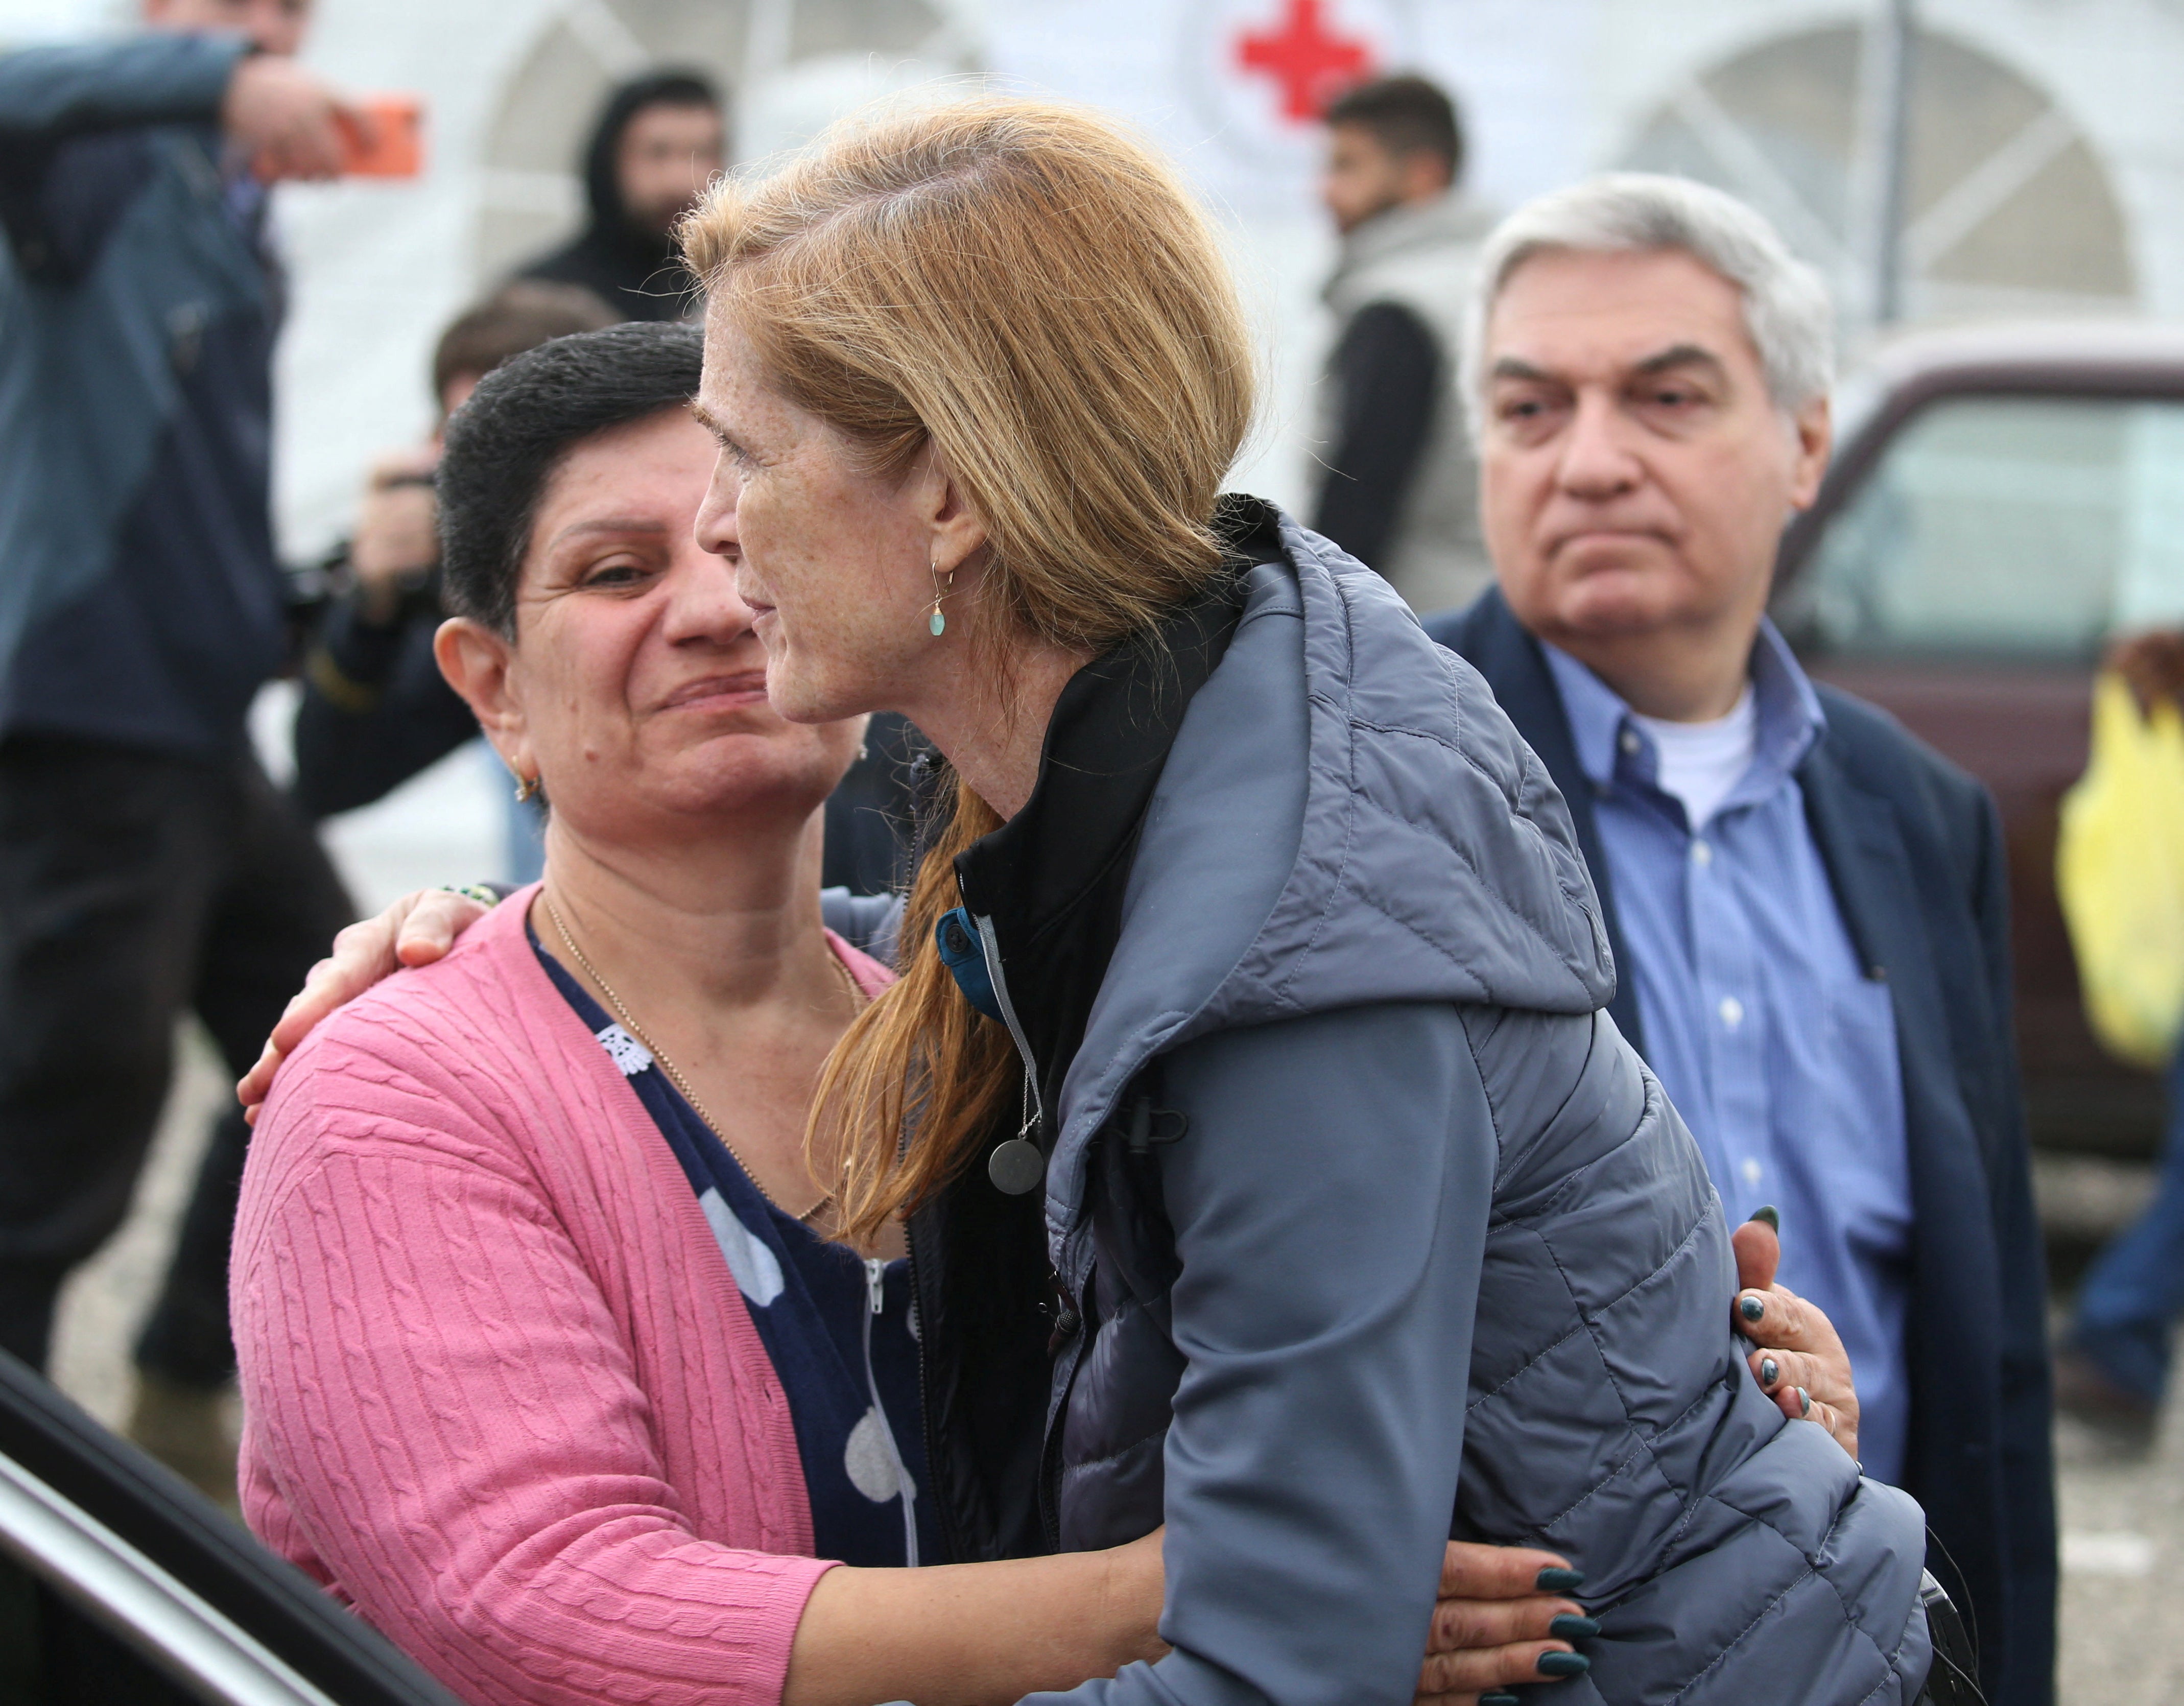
(527,789)
(938,622)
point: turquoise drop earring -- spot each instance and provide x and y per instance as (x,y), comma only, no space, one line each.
(938,621)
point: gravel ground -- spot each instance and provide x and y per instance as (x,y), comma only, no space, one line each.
(2123,1519)
(2123,1563)
(2122,1515)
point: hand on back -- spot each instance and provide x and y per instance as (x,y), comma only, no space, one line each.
(1800,1362)
(1493,1625)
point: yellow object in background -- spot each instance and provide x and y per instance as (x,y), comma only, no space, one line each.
(2119,874)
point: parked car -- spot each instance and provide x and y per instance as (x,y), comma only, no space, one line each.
(2003,500)
(121,1586)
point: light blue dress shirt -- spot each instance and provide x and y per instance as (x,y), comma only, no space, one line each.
(1761,1024)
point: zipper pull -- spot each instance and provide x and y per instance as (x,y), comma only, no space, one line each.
(876,1283)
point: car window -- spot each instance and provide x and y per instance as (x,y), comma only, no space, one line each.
(2014,526)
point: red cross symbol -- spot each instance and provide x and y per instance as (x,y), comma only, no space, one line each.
(1312,63)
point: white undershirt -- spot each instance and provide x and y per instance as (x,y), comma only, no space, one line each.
(1701,762)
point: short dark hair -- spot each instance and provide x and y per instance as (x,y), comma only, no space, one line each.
(514,318)
(504,445)
(1405,115)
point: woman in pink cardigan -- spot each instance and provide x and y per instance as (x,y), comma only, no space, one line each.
(548,1367)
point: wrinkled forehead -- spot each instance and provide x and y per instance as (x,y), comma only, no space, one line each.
(1589,314)
(735,367)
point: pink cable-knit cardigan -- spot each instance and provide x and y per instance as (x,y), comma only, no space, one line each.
(500,1390)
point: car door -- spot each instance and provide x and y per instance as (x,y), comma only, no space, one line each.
(120,1586)
(1975,549)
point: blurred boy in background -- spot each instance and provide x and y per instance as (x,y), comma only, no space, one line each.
(376,711)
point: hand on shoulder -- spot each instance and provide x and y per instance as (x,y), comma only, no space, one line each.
(416,930)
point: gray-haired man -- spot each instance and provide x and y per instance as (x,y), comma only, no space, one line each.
(1806,906)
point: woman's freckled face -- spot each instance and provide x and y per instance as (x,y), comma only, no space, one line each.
(829,557)
(641,684)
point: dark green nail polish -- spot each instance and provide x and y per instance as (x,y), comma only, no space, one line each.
(1568,1627)
(1498,1698)
(1563,1665)
(1770,1216)
(1751,1309)
(1552,1580)
(1805,1401)
(1769,1372)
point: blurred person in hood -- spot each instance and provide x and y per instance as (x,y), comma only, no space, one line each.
(659,140)
(1401,488)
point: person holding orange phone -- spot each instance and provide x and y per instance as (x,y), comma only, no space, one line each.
(148,608)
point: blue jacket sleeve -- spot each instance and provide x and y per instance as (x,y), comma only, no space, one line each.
(1329,1205)
(48,94)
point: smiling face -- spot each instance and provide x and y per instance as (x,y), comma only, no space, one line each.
(836,562)
(1634,474)
(635,689)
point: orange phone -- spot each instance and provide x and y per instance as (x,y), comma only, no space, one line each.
(388,142)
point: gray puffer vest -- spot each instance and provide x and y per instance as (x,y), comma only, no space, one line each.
(1426,1249)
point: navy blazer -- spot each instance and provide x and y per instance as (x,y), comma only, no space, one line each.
(1913,850)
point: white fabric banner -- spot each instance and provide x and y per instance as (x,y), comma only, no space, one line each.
(1231,88)
(1234,86)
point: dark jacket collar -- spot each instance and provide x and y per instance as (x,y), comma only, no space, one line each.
(1788,720)
(1052,878)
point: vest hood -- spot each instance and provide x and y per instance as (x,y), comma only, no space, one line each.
(1347,817)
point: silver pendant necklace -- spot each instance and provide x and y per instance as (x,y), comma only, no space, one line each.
(1015,1166)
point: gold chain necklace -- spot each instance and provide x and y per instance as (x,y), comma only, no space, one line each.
(674,1073)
